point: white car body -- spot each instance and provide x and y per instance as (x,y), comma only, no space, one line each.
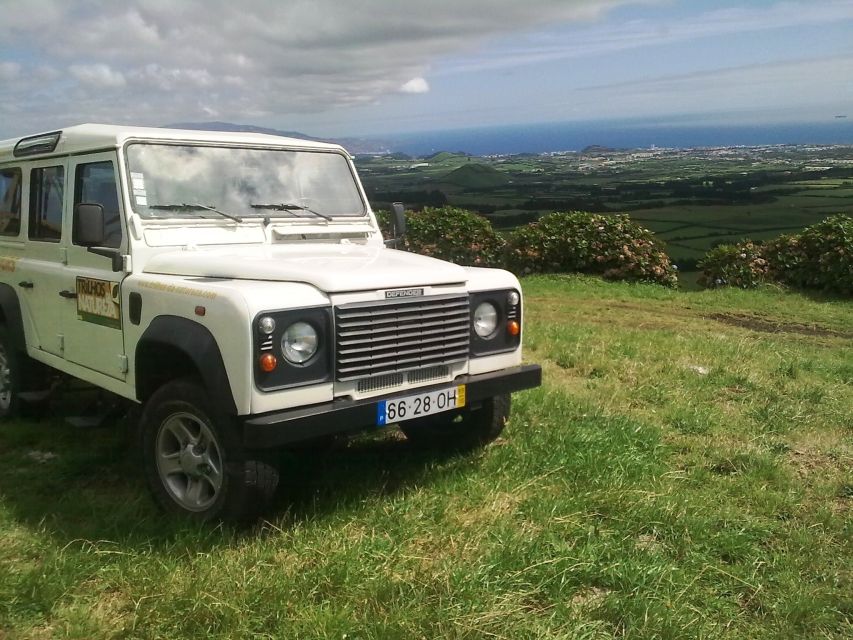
(211,271)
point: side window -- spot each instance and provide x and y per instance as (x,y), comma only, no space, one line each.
(95,183)
(47,186)
(10,202)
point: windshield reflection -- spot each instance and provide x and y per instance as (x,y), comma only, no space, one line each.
(165,176)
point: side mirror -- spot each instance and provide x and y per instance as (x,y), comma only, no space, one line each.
(89,224)
(399,219)
(89,233)
(398,224)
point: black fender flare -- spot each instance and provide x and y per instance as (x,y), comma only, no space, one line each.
(11,306)
(197,343)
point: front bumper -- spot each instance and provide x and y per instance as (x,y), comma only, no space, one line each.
(280,428)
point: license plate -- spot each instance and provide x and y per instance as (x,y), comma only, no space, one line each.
(420,405)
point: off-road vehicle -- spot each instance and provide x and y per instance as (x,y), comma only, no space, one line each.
(237,288)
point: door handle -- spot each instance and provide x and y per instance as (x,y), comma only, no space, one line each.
(25,284)
(68,294)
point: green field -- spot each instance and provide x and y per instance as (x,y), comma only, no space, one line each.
(684,472)
(693,199)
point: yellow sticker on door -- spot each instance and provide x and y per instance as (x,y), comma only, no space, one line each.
(9,263)
(99,301)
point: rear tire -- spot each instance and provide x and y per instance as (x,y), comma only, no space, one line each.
(10,377)
(460,430)
(194,462)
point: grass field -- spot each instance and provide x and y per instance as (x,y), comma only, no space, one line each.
(685,472)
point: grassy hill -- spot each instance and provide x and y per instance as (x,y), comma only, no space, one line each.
(476,176)
(684,472)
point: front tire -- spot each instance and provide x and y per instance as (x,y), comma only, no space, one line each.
(194,462)
(460,430)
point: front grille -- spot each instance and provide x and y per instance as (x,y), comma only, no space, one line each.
(373,338)
(433,373)
(380,382)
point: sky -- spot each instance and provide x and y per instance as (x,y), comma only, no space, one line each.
(373,67)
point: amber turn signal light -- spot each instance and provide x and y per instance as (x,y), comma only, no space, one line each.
(513,328)
(268,362)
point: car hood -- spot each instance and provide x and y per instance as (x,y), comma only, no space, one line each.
(331,268)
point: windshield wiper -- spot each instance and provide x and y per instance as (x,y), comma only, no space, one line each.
(290,207)
(192,206)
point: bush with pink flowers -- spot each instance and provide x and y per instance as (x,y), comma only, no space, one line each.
(821,257)
(450,233)
(578,242)
(733,265)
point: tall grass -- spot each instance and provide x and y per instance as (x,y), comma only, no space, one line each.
(685,471)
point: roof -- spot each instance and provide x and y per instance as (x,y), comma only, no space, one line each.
(91,137)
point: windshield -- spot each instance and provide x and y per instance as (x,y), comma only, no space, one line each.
(193,181)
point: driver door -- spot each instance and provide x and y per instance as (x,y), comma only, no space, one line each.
(93,321)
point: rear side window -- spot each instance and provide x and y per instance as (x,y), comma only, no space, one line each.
(10,202)
(47,186)
(95,183)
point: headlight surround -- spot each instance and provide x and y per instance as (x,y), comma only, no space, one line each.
(485,320)
(304,357)
(495,321)
(299,342)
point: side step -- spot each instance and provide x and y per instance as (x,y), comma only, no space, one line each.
(40,395)
(105,416)
(87,422)
(95,407)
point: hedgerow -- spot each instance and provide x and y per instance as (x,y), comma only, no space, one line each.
(737,265)
(612,246)
(450,233)
(821,257)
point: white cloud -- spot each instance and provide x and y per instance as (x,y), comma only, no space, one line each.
(46,73)
(415,85)
(767,87)
(633,34)
(165,61)
(173,78)
(9,70)
(97,75)
(279,63)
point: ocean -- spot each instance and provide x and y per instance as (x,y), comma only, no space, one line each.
(574,136)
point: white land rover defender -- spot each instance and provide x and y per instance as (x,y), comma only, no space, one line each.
(237,287)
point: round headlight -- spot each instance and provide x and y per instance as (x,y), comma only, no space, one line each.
(485,319)
(299,342)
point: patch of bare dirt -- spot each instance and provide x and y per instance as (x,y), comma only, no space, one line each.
(648,542)
(41,456)
(806,462)
(764,325)
(809,460)
(589,598)
(502,504)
